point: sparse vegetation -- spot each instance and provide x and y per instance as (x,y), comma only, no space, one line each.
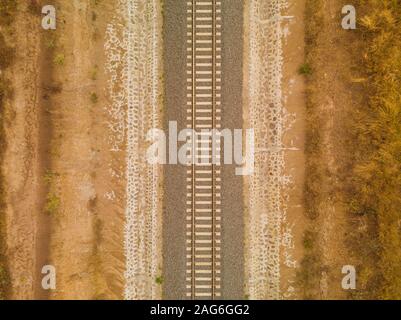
(313,166)
(309,239)
(7,14)
(305,69)
(373,184)
(159,280)
(374,195)
(59,59)
(6,53)
(311,266)
(93,73)
(50,43)
(94,98)
(95,35)
(49,177)
(34,8)
(4,282)
(52,204)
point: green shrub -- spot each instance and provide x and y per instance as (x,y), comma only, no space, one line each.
(94,98)
(305,69)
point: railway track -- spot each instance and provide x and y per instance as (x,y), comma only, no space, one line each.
(203,279)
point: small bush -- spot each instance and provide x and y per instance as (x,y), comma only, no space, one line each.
(52,204)
(93,74)
(49,177)
(309,239)
(305,69)
(59,59)
(94,98)
(50,43)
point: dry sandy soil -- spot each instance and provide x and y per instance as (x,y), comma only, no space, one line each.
(294,142)
(332,93)
(87,266)
(23,163)
(59,153)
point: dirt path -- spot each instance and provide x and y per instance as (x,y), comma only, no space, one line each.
(335,97)
(294,143)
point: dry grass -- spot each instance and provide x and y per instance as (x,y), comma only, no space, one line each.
(310,267)
(308,275)
(8,9)
(372,191)
(374,194)
(7,14)
(314,169)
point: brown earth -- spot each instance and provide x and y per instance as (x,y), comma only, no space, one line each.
(87,266)
(293,86)
(58,165)
(332,94)
(22,165)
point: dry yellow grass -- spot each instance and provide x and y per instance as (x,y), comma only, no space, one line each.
(373,197)
(376,184)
